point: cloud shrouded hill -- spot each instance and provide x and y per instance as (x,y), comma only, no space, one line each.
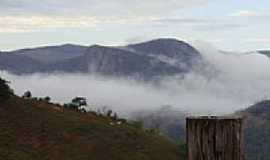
(144,61)
(265,52)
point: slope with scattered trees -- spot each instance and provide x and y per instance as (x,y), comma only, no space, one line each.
(38,130)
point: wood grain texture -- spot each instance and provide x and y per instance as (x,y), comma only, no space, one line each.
(215,138)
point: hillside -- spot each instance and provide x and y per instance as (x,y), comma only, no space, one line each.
(37,130)
(172,51)
(51,54)
(264,52)
(18,63)
(257,130)
(257,127)
(117,62)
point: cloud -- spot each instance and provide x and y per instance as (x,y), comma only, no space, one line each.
(95,8)
(20,24)
(91,13)
(199,24)
(246,13)
(31,15)
(184,20)
(230,82)
(24,24)
(221,26)
(258,40)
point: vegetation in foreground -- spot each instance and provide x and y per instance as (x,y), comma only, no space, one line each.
(34,129)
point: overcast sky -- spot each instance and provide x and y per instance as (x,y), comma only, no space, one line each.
(240,25)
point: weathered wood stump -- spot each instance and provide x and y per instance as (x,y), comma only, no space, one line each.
(215,138)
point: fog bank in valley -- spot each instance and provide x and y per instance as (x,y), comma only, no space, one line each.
(229,82)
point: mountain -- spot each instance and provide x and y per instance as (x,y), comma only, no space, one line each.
(264,52)
(144,60)
(117,62)
(27,61)
(172,51)
(257,130)
(167,120)
(52,54)
(171,123)
(18,63)
(37,130)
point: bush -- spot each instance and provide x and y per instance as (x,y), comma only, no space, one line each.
(5,91)
(47,99)
(27,94)
(137,124)
(71,107)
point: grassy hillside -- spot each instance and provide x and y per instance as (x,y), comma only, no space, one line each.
(40,131)
(257,131)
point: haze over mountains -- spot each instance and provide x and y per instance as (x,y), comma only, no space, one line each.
(191,79)
(265,52)
(143,61)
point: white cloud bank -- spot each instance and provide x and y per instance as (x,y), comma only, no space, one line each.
(21,24)
(246,13)
(94,8)
(18,16)
(236,82)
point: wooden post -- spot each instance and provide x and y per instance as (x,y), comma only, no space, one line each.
(215,138)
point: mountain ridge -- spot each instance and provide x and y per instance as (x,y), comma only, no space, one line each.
(142,60)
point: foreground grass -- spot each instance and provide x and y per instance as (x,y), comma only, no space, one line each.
(41,131)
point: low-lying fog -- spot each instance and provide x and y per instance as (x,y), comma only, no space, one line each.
(237,81)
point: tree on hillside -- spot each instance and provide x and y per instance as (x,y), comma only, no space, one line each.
(5,91)
(47,99)
(79,101)
(109,113)
(77,104)
(27,94)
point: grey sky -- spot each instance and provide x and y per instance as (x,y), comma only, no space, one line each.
(227,24)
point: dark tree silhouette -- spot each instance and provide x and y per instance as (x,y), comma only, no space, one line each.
(79,101)
(109,113)
(115,116)
(5,91)
(27,94)
(47,99)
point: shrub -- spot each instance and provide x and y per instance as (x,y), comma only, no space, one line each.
(5,91)
(47,99)
(27,94)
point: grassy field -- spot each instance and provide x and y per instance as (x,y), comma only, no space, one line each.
(40,131)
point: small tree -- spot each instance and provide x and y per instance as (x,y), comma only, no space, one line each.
(27,94)
(115,117)
(5,91)
(79,101)
(109,113)
(47,99)
(71,107)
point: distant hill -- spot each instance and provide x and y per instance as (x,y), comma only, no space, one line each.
(144,60)
(260,109)
(257,130)
(264,52)
(171,123)
(51,54)
(171,51)
(34,130)
(19,64)
(117,62)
